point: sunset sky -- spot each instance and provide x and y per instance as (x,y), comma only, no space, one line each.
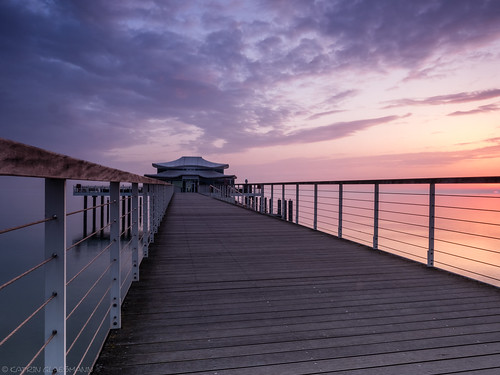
(281,90)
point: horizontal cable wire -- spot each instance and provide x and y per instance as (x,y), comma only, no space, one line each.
(28,225)
(468,208)
(357,215)
(468,234)
(28,272)
(126,245)
(358,231)
(358,200)
(327,197)
(468,196)
(405,233)
(322,214)
(359,240)
(469,246)
(126,278)
(28,366)
(125,230)
(89,264)
(90,290)
(404,223)
(469,259)
(359,208)
(356,222)
(403,242)
(469,271)
(93,339)
(88,237)
(27,319)
(88,320)
(401,193)
(358,192)
(326,223)
(468,221)
(87,209)
(403,252)
(405,203)
(320,204)
(404,213)
(331,211)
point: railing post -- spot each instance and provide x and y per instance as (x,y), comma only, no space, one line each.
(297,204)
(55,275)
(157,208)
(375,215)
(341,199)
(146,221)
(315,220)
(283,202)
(432,211)
(115,250)
(152,213)
(290,210)
(262,200)
(135,231)
(271,201)
(85,214)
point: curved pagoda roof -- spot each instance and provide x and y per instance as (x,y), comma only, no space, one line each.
(190,162)
(208,174)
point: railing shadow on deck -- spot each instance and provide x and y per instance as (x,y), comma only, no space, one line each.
(448,223)
(81,302)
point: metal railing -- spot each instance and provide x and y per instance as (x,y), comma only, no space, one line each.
(447,223)
(77,320)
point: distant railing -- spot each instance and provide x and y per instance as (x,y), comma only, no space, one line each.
(448,223)
(120,254)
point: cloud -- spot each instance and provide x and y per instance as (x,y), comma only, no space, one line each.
(462,97)
(80,77)
(482,109)
(321,114)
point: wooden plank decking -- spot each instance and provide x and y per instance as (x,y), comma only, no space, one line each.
(230,292)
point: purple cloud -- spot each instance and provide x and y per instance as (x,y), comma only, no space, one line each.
(482,109)
(462,97)
(82,76)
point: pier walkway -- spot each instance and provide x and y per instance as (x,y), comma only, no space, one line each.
(228,291)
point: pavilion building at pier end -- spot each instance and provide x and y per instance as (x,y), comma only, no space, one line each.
(192,174)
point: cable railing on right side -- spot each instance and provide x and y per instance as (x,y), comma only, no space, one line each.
(417,219)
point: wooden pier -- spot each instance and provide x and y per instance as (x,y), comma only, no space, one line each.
(228,291)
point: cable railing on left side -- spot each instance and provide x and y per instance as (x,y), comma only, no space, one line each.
(75,320)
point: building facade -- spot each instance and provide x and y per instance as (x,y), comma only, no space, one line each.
(192,174)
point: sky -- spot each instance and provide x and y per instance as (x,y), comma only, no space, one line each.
(281,90)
